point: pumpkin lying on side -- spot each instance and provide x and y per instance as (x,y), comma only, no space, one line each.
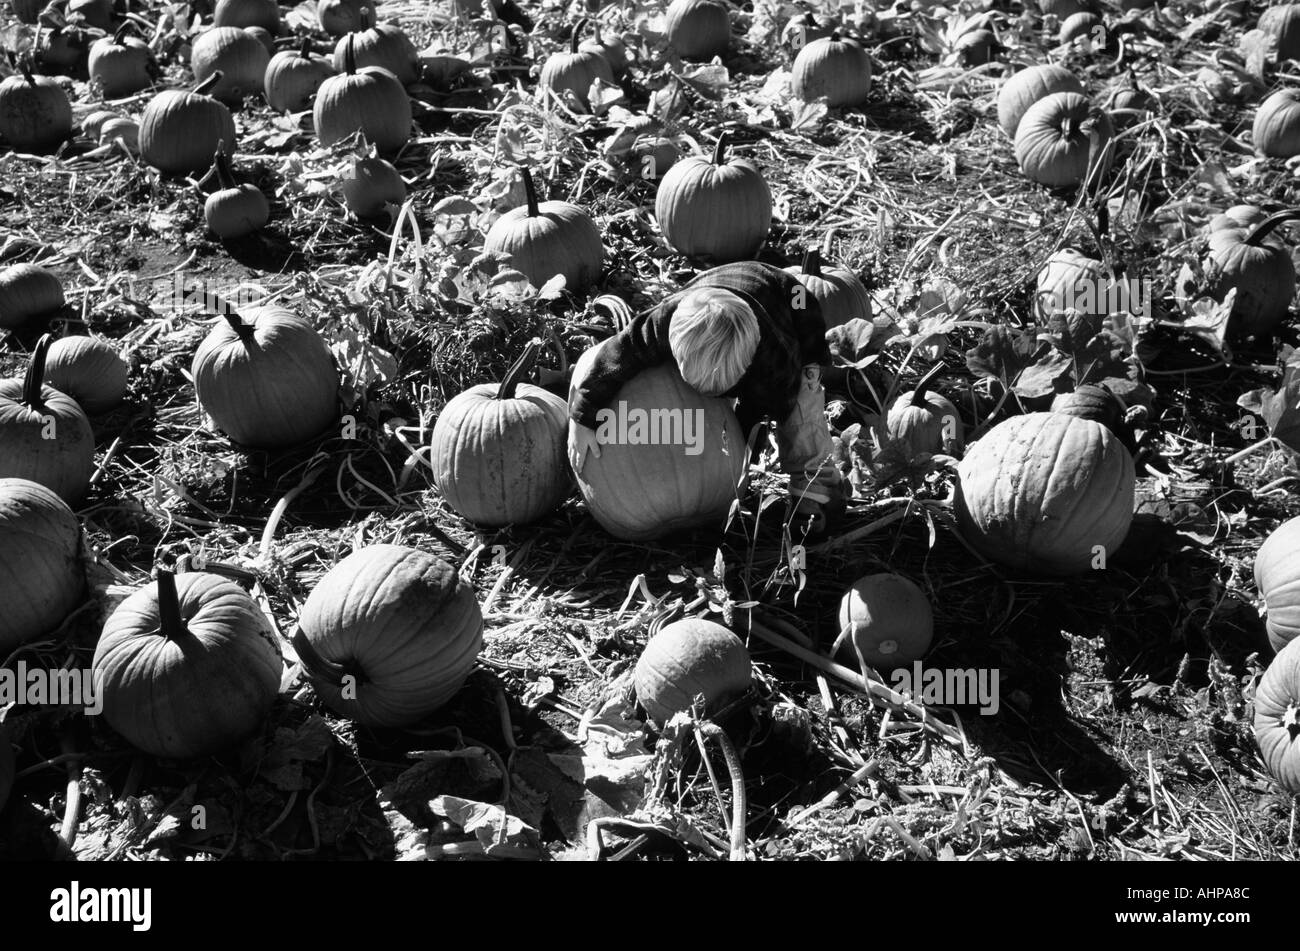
(1046,493)
(839,292)
(886,621)
(1062,140)
(924,422)
(498,452)
(27,291)
(1028,86)
(179,131)
(689,660)
(186,666)
(1277,718)
(88,370)
(389,635)
(1277,576)
(548,238)
(40,543)
(718,211)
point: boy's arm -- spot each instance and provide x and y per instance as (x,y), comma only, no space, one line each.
(810,331)
(642,344)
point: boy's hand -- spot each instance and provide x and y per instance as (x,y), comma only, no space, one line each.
(582,439)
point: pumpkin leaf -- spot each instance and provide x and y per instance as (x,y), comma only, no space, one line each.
(1002,353)
(854,343)
(1040,378)
(496,830)
(1209,320)
(1280,408)
(807,115)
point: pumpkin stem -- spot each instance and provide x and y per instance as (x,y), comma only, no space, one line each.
(237,323)
(918,394)
(812,263)
(25,64)
(367,18)
(349,57)
(304,50)
(530,192)
(35,376)
(720,150)
(1265,227)
(326,671)
(577,35)
(119,37)
(221,162)
(518,370)
(170,621)
(203,87)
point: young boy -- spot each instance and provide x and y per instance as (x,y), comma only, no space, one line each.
(749,331)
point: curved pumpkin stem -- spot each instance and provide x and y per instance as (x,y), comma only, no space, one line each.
(304,49)
(518,370)
(812,263)
(221,162)
(25,65)
(923,386)
(577,35)
(349,57)
(170,622)
(720,150)
(1266,227)
(34,379)
(530,192)
(326,671)
(119,37)
(203,87)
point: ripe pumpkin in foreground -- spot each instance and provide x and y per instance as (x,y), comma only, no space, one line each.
(1046,493)
(88,370)
(1277,717)
(548,238)
(839,292)
(1277,576)
(179,131)
(687,660)
(40,543)
(886,620)
(187,665)
(719,210)
(642,490)
(1027,87)
(389,635)
(924,422)
(498,452)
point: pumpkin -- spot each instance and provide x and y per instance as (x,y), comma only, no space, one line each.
(44,435)
(646,484)
(574,72)
(546,239)
(237,56)
(652,155)
(234,210)
(1276,130)
(379,44)
(95,121)
(121,64)
(263,37)
(1071,281)
(60,50)
(975,47)
(698,29)
(1128,104)
(243,13)
(688,661)
(611,47)
(838,291)
(187,666)
(1283,24)
(369,185)
(1277,709)
(35,114)
(1259,268)
(1046,493)
(716,210)
(498,452)
(805,28)
(27,291)
(266,378)
(1238,216)
(180,131)
(389,635)
(1081,26)
(923,422)
(370,100)
(40,547)
(340,17)
(1061,140)
(88,370)
(293,76)
(834,69)
(1091,401)
(1277,576)
(126,131)
(886,620)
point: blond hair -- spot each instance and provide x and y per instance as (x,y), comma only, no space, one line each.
(713,335)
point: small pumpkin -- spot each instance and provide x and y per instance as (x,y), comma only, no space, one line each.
(923,422)
(886,620)
(1091,401)
(1129,103)
(1238,216)
(1070,280)
(91,125)
(1028,86)
(35,114)
(379,44)
(370,184)
(575,71)
(1046,493)
(237,56)
(652,155)
(1062,140)
(389,635)
(835,69)
(1277,576)
(1276,130)
(245,13)
(546,239)
(698,29)
(27,291)
(341,17)
(126,131)
(1253,262)
(44,435)
(976,47)
(40,547)
(610,46)
(61,50)
(122,64)
(293,77)
(266,378)
(688,661)
(498,452)
(1282,22)
(839,292)
(88,370)
(369,100)
(1081,26)
(187,666)
(639,489)
(180,131)
(805,28)
(716,210)
(234,210)
(1277,718)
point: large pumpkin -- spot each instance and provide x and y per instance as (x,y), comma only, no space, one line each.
(1046,493)
(27,291)
(548,238)
(689,660)
(187,666)
(389,635)
(122,64)
(718,211)
(1062,140)
(180,131)
(925,422)
(40,549)
(44,435)
(1027,87)
(886,620)
(371,101)
(499,451)
(1276,130)
(575,71)
(266,378)
(35,114)
(698,29)
(833,68)
(1277,576)
(839,292)
(88,370)
(1277,718)
(237,55)
(648,483)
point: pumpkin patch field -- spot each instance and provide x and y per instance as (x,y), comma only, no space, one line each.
(307,549)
